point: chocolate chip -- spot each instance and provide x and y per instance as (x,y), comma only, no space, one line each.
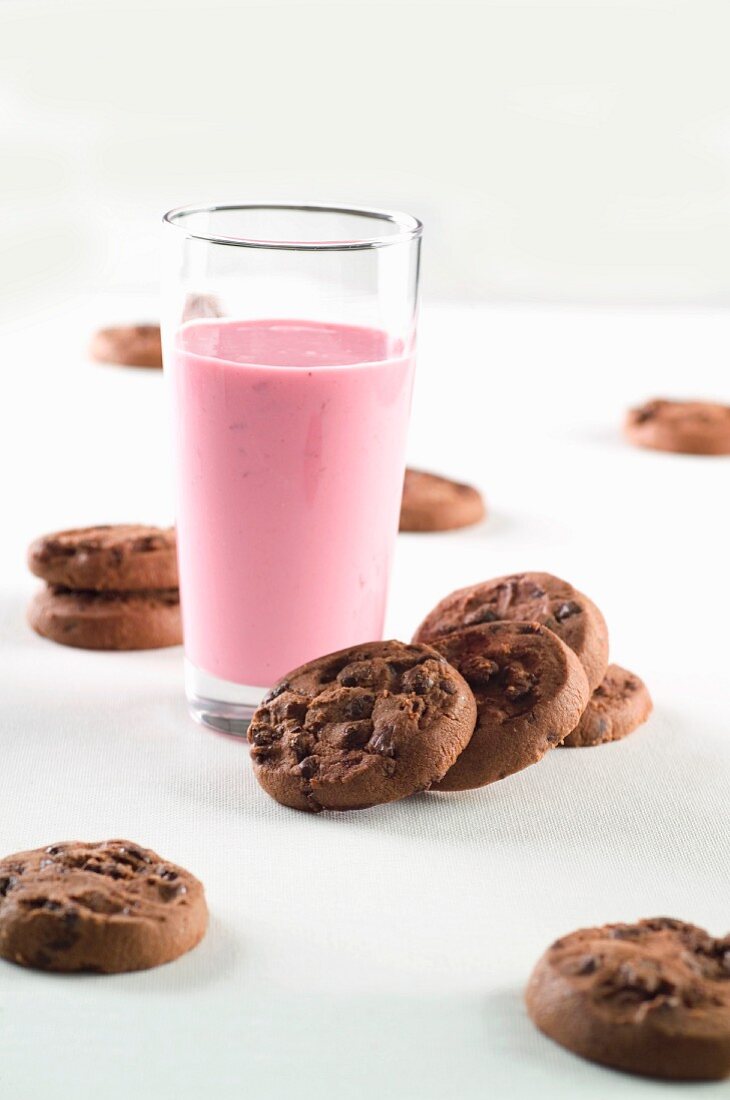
(418,681)
(70,934)
(357,735)
(478,670)
(262,753)
(365,673)
(275,692)
(302,745)
(145,543)
(587,965)
(383,740)
(643,980)
(308,767)
(566,610)
(519,682)
(658,924)
(42,903)
(359,706)
(264,735)
(448,686)
(294,708)
(168,891)
(96,901)
(480,615)
(7,882)
(136,854)
(626,932)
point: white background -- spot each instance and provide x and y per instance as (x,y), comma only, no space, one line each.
(380,953)
(555,149)
(572,152)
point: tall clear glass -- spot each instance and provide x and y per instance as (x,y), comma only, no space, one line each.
(289,337)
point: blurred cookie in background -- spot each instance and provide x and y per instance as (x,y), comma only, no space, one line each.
(434,503)
(684,427)
(128,346)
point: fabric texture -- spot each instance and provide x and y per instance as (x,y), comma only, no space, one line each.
(385,952)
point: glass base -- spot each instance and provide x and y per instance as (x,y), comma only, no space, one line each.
(220,705)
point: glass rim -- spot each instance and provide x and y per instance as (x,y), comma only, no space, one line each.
(409,227)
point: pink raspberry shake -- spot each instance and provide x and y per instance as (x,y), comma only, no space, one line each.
(290,458)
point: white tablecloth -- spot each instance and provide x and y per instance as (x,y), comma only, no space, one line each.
(384,953)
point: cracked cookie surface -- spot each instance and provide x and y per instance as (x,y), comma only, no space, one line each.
(107,907)
(363,726)
(620,704)
(527,597)
(122,557)
(651,998)
(530,691)
(685,427)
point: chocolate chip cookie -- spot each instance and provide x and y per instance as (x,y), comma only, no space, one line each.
(107,620)
(366,725)
(527,597)
(530,691)
(685,427)
(106,907)
(433,503)
(651,998)
(617,707)
(128,345)
(118,558)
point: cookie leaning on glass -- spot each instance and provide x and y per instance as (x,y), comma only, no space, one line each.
(107,587)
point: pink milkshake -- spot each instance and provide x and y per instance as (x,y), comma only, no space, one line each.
(290,459)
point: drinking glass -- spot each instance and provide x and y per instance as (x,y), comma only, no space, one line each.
(289,337)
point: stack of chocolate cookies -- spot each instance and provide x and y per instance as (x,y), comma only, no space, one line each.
(497,675)
(109,587)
